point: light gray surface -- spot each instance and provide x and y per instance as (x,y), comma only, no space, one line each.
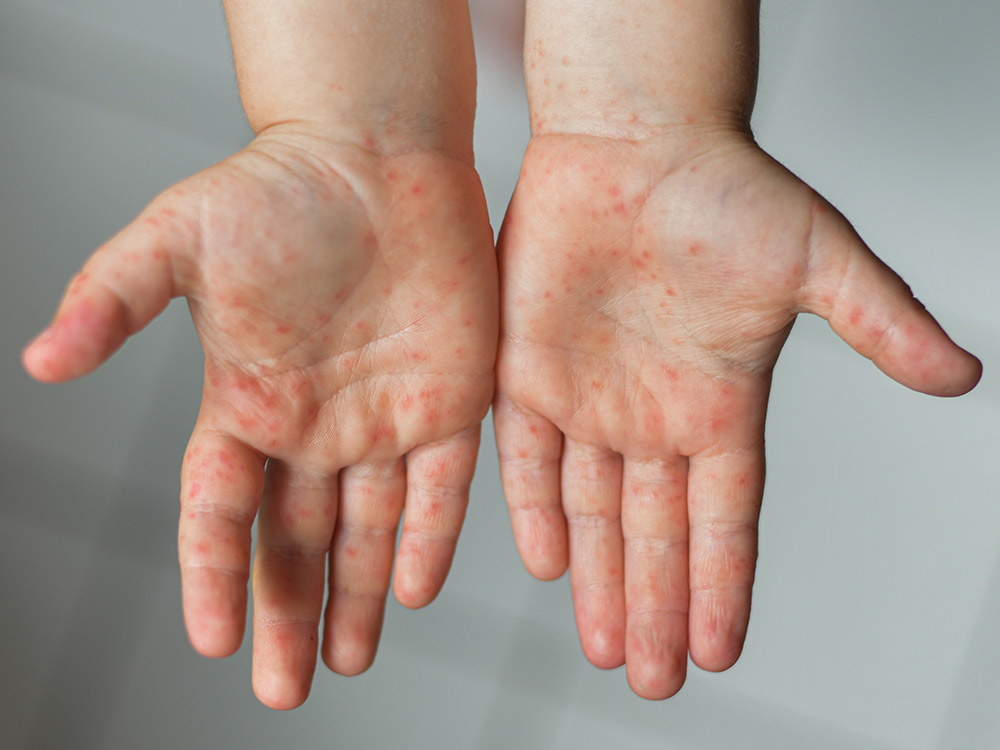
(879,579)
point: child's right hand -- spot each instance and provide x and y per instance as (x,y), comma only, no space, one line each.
(347,306)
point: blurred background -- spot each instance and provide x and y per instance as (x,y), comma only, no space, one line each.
(878,592)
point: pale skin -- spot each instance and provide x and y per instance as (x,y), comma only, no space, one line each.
(652,262)
(341,277)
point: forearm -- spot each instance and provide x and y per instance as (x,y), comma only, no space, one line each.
(634,68)
(391,75)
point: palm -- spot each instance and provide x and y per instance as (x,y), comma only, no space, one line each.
(346,304)
(326,319)
(646,299)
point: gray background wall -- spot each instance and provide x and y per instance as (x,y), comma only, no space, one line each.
(879,579)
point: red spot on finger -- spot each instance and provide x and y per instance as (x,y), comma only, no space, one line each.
(695,248)
(855,316)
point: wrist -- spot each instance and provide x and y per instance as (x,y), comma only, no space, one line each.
(627,70)
(391,76)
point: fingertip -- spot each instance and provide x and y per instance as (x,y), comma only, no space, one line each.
(541,539)
(654,681)
(276,695)
(37,360)
(605,650)
(718,635)
(87,331)
(966,373)
(716,657)
(348,660)
(545,567)
(414,590)
(925,359)
(213,645)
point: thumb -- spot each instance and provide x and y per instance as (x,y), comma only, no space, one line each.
(121,288)
(874,311)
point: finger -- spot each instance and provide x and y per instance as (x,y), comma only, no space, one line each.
(294,533)
(438,476)
(724,496)
(221,484)
(123,286)
(530,448)
(591,492)
(371,501)
(874,311)
(655,529)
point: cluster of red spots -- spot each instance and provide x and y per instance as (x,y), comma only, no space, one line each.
(430,399)
(435,470)
(405,402)
(717,425)
(652,420)
(300,385)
